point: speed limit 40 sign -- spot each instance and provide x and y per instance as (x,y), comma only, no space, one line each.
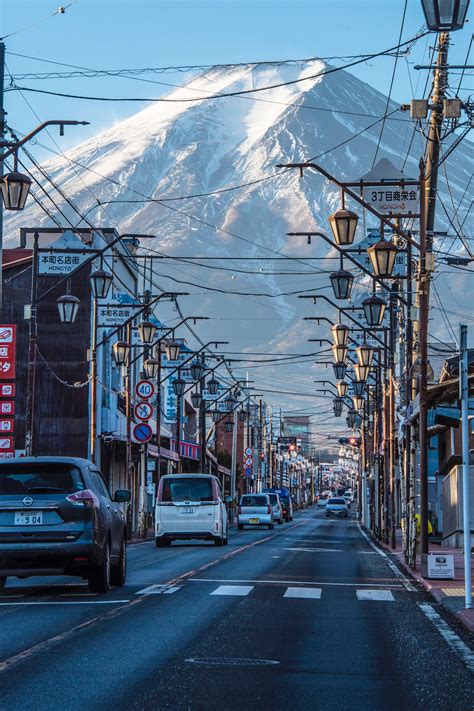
(145,389)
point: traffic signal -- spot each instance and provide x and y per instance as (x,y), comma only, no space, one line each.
(350,441)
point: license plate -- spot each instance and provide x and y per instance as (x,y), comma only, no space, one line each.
(28,518)
(254,520)
(187,510)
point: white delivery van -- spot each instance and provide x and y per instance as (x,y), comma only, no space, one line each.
(190,506)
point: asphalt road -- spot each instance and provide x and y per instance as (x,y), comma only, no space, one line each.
(309,615)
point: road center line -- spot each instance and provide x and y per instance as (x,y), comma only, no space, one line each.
(295,582)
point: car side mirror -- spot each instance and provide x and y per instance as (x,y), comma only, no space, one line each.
(122,495)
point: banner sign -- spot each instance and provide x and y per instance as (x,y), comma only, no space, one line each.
(55,261)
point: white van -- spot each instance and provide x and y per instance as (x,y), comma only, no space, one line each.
(190,506)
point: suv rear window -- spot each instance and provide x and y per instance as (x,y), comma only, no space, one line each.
(44,478)
(254,501)
(337,501)
(187,489)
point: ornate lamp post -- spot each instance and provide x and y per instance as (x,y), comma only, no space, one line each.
(121,352)
(146,331)
(341,282)
(337,404)
(213,386)
(374,309)
(340,334)
(179,386)
(68,306)
(343,225)
(365,354)
(172,350)
(339,353)
(151,367)
(15,189)
(101,281)
(358,402)
(382,256)
(197,370)
(342,388)
(339,370)
(445,15)
(361,372)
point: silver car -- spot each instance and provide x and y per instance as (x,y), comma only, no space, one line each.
(337,507)
(255,510)
(277,507)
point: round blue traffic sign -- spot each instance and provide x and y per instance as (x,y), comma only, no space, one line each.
(142,432)
(248,472)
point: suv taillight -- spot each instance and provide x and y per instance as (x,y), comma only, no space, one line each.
(84,498)
(269,509)
(239,510)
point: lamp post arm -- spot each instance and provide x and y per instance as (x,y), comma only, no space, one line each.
(193,355)
(347,191)
(344,310)
(170,330)
(13,147)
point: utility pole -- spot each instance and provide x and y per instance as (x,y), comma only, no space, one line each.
(202,421)
(466,504)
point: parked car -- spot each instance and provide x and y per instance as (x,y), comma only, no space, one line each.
(190,506)
(57,518)
(337,507)
(322,501)
(255,510)
(348,497)
(275,502)
(287,508)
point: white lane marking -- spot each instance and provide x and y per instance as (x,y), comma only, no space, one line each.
(455,642)
(158,589)
(374,584)
(65,602)
(398,573)
(276,556)
(309,593)
(315,550)
(78,594)
(380,595)
(241,590)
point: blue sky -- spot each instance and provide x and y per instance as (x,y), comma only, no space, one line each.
(135,33)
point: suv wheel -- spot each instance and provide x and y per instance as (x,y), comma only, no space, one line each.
(99,576)
(240,526)
(162,542)
(3,580)
(119,572)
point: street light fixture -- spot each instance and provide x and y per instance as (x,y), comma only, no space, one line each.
(242,415)
(121,351)
(339,370)
(101,281)
(358,402)
(343,225)
(374,309)
(339,353)
(68,306)
(197,370)
(229,403)
(15,189)
(445,15)
(179,386)
(358,387)
(172,350)
(196,400)
(361,372)
(341,387)
(216,414)
(337,406)
(351,418)
(365,354)
(151,367)
(228,425)
(382,257)
(341,282)
(340,334)
(146,331)
(213,386)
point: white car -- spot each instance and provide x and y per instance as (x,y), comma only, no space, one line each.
(190,506)
(322,501)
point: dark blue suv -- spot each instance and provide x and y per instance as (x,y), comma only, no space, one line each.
(57,518)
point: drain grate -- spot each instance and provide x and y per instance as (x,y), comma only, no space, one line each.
(231,662)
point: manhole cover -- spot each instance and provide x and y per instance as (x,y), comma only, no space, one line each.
(231,662)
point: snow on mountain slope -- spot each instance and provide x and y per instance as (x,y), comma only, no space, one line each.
(170,150)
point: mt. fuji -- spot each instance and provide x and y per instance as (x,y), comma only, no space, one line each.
(169,151)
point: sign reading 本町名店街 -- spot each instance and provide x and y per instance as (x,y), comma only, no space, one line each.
(56,261)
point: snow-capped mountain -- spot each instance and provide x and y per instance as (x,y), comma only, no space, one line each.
(174,149)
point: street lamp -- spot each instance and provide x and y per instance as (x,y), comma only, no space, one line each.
(68,306)
(339,370)
(172,350)
(445,15)
(351,418)
(337,406)
(341,282)
(361,372)
(15,189)
(121,351)
(216,414)
(197,370)
(196,400)
(382,257)
(358,387)
(146,331)
(340,334)
(101,281)
(358,402)
(229,403)
(228,425)
(343,225)
(151,367)
(339,353)
(341,387)
(365,354)
(242,415)
(374,309)
(179,386)
(213,386)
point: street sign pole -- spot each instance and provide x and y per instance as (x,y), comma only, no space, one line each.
(466,504)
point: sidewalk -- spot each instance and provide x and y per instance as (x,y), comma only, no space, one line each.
(450,593)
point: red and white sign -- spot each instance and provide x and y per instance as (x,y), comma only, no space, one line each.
(142,433)
(145,389)
(7,407)
(7,352)
(7,389)
(6,444)
(6,426)
(143,411)
(249,452)
(7,455)
(248,462)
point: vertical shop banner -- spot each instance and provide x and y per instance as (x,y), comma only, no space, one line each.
(7,351)
(7,389)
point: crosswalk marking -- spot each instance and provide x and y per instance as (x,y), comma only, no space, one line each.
(241,590)
(158,590)
(380,595)
(309,593)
